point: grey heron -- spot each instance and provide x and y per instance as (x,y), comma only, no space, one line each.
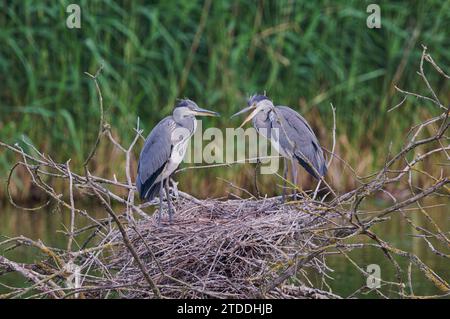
(293,137)
(164,150)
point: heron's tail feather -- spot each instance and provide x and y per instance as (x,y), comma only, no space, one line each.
(324,169)
(148,192)
(320,168)
(149,189)
(153,191)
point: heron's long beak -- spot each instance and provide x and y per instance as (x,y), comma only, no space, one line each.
(250,116)
(204,112)
(248,108)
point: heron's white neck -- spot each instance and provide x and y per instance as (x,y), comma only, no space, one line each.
(265,106)
(181,114)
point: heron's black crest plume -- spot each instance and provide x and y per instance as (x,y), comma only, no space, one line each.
(182,103)
(256,98)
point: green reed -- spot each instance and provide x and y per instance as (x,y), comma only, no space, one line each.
(304,54)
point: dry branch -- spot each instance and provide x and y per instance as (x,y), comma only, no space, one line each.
(239,248)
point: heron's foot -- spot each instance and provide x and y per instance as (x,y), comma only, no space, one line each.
(170,208)
(159,215)
(171,213)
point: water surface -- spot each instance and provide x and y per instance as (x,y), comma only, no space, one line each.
(47,224)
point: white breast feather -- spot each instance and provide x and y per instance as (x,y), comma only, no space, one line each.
(178,152)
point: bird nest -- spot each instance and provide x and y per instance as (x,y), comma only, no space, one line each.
(241,248)
(227,249)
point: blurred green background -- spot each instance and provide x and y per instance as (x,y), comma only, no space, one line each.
(306,54)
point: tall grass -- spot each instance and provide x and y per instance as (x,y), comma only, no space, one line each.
(304,54)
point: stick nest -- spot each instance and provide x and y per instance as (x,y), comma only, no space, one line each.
(233,248)
(236,248)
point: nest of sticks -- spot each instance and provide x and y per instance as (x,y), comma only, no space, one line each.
(227,249)
(240,248)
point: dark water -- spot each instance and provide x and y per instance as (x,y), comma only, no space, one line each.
(400,234)
(45,225)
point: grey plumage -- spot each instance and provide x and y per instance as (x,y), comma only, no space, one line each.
(154,157)
(295,140)
(165,148)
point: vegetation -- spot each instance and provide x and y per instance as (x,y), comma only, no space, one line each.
(305,54)
(250,247)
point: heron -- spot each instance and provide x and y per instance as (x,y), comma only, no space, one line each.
(293,137)
(164,150)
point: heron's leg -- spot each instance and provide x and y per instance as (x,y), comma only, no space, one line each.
(160,202)
(175,188)
(169,199)
(258,164)
(294,178)
(285,172)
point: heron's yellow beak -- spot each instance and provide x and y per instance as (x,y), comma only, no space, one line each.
(250,116)
(204,112)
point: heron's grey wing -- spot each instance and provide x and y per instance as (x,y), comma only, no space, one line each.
(306,147)
(154,156)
